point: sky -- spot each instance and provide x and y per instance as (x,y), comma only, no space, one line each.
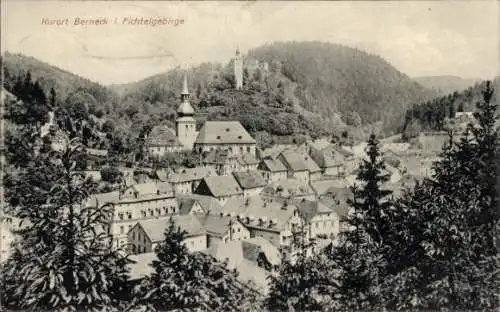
(419,38)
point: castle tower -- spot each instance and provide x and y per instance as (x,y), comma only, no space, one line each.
(185,123)
(238,70)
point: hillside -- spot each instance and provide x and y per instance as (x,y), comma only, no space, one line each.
(48,76)
(310,88)
(445,84)
(432,115)
(334,78)
(309,85)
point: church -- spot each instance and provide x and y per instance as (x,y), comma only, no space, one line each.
(229,136)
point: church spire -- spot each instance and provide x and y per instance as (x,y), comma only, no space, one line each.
(185,109)
(185,90)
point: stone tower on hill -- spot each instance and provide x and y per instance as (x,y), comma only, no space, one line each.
(238,70)
(185,123)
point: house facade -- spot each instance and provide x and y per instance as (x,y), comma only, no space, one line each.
(147,234)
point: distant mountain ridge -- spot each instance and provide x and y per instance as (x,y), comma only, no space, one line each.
(446,84)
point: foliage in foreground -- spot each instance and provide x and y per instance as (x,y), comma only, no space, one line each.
(63,261)
(190,281)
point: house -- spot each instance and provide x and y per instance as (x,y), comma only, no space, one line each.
(271,219)
(186,180)
(220,187)
(137,202)
(222,229)
(296,167)
(272,170)
(269,153)
(247,162)
(323,187)
(288,189)
(147,234)
(254,259)
(199,204)
(315,171)
(224,135)
(336,200)
(162,140)
(321,220)
(251,182)
(221,162)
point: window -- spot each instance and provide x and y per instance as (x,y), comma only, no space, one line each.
(122,229)
(129,227)
(187,127)
(133,235)
(241,149)
(151,212)
(239,229)
(192,244)
(120,215)
(248,149)
(129,215)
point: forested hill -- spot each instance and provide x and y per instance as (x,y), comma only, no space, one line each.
(309,88)
(308,85)
(334,78)
(445,85)
(65,83)
(431,115)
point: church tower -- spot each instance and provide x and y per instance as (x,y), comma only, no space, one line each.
(238,70)
(185,123)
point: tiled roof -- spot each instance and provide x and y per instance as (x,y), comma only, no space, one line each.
(308,209)
(219,157)
(271,152)
(338,202)
(155,228)
(214,224)
(223,185)
(223,132)
(310,164)
(191,174)
(322,187)
(293,160)
(247,159)
(249,179)
(208,203)
(257,207)
(103,198)
(290,187)
(248,271)
(162,136)
(273,165)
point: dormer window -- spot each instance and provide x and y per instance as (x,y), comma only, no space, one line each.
(240,137)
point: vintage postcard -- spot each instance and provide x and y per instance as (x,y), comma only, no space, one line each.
(249,156)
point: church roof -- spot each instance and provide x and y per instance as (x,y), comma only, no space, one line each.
(162,136)
(185,108)
(223,132)
(185,85)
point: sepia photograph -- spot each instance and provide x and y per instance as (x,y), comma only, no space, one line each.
(250,156)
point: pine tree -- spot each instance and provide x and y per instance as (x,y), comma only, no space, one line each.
(451,223)
(189,281)
(63,261)
(360,255)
